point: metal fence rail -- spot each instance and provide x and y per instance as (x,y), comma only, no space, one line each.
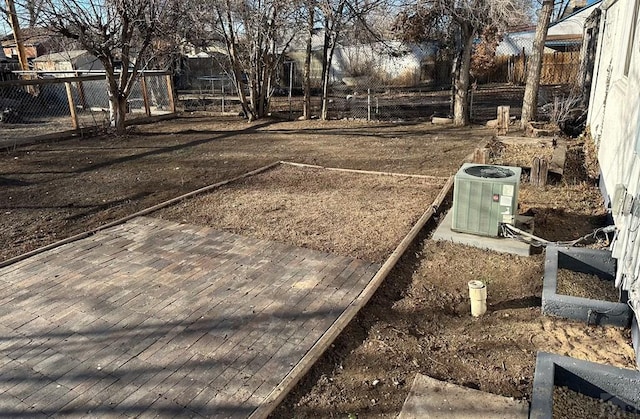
(370,100)
(34,106)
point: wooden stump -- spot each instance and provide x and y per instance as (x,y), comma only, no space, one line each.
(481,156)
(539,171)
(503,120)
(544,172)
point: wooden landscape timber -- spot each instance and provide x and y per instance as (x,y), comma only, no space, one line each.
(441,121)
(364,172)
(145,211)
(279,393)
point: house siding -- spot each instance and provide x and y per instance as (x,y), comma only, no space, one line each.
(614,120)
(402,64)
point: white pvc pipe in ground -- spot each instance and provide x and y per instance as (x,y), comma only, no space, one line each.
(478,297)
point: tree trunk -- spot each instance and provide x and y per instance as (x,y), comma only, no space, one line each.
(325,69)
(325,82)
(253,80)
(306,107)
(530,101)
(234,61)
(117,112)
(262,107)
(117,100)
(461,91)
(332,28)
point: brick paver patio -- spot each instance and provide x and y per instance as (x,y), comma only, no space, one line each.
(154,318)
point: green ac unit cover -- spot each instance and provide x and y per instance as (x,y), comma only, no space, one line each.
(483,197)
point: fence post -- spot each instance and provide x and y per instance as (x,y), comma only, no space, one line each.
(172,102)
(511,70)
(503,120)
(145,95)
(72,106)
(80,86)
(368,104)
(539,171)
(290,88)
(223,96)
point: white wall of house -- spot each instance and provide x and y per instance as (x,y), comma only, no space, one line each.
(390,60)
(386,62)
(614,119)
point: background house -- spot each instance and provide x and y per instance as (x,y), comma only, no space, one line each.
(71,61)
(562,56)
(37,42)
(383,63)
(614,120)
(565,34)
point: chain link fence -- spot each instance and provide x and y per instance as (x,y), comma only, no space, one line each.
(366,100)
(37,107)
(387,103)
(215,93)
(387,90)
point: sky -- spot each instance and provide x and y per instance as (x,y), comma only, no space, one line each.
(5,28)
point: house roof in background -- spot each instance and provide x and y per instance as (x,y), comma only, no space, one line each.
(62,56)
(562,32)
(30,36)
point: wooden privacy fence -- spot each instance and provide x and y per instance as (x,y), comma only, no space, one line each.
(557,68)
(35,107)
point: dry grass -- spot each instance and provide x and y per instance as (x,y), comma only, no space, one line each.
(518,154)
(357,215)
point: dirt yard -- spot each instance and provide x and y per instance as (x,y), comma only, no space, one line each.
(418,321)
(54,190)
(357,215)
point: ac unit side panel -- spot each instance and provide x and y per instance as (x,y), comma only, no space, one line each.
(461,199)
(475,208)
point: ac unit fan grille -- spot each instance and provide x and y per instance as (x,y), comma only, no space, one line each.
(489,172)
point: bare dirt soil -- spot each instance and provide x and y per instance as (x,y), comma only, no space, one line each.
(569,404)
(418,321)
(578,284)
(50,191)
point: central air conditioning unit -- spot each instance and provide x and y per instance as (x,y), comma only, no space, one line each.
(484,196)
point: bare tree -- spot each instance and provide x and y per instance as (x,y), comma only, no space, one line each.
(33,10)
(28,12)
(561,8)
(118,32)
(310,6)
(333,13)
(337,16)
(459,23)
(555,9)
(530,101)
(256,34)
